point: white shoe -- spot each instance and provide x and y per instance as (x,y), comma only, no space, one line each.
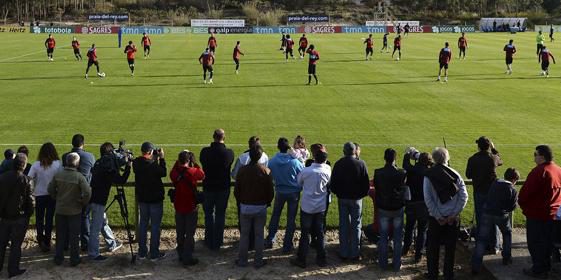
(86,76)
(237,72)
(446,79)
(210,81)
(204,81)
(438,79)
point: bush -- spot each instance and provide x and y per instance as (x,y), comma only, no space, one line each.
(251,12)
(270,18)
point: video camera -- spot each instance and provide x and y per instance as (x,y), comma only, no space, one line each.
(413,153)
(122,155)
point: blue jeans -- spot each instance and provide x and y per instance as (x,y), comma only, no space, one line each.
(311,224)
(488,222)
(479,201)
(85,227)
(44,216)
(397,222)
(99,224)
(291,199)
(350,222)
(215,217)
(150,213)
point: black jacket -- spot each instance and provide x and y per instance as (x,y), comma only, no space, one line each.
(481,168)
(216,161)
(415,178)
(16,200)
(349,178)
(501,199)
(389,182)
(148,179)
(105,174)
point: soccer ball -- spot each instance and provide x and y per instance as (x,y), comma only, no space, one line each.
(102,74)
(397,59)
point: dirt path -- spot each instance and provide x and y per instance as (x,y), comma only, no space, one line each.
(221,265)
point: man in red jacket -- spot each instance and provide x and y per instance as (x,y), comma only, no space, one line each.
(540,198)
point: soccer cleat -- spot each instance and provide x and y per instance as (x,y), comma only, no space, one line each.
(210,81)
(438,79)
(86,76)
(237,72)
(132,74)
(204,81)
(446,79)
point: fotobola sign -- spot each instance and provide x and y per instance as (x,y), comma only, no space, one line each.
(52,29)
(320,29)
(230,30)
(97,29)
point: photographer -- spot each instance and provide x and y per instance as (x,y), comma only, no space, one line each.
(105,173)
(185,175)
(416,210)
(149,170)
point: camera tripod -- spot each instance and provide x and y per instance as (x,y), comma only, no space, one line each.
(121,198)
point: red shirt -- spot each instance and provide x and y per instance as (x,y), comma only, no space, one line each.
(510,50)
(445,55)
(50,42)
(184,187)
(289,44)
(146,41)
(462,42)
(540,197)
(369,42)
(545,54)
(92,54)
(212,42)
(130,50)
(397,42)
(206,58)
(237,52)
(314,56)
(303,42)
(75,44)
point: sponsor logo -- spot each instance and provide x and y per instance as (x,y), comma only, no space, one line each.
(363,29)
(232,30)
(200,30)
(414,29)
(108,17)
(453,28)
(390,23)
(13,29)
(217,23)
(308,18)
(274,30)
(142,29)
(97,29)
(320,29)
(54,30)
(177,30)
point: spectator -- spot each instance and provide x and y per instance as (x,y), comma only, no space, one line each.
(314,181)
(149,169)
(87,161)
(41,173)
(540,198)
(216,161)
(24,150)
(389,183)
(349,181)
(105,173)
(244,160)
(284,169)
(7,163)
(316,148)
(254,192)
(299,150)
(501,202)
(481,168)
(416,209)
(16,206)
(446,196)
(185,175)
(72,193)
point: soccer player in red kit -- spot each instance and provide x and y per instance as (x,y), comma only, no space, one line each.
(130,50)
(510,50)
(303,45)
(543,57)
(369,44)
(212,44)
(462,45)
(146,43)
(397,46)
(207,60)
(444,58)
(50,45)
(236,56)
(289,47)
(314,57)
(92,60)
(76,48)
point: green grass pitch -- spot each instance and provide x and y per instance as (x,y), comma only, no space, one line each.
(380,103)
